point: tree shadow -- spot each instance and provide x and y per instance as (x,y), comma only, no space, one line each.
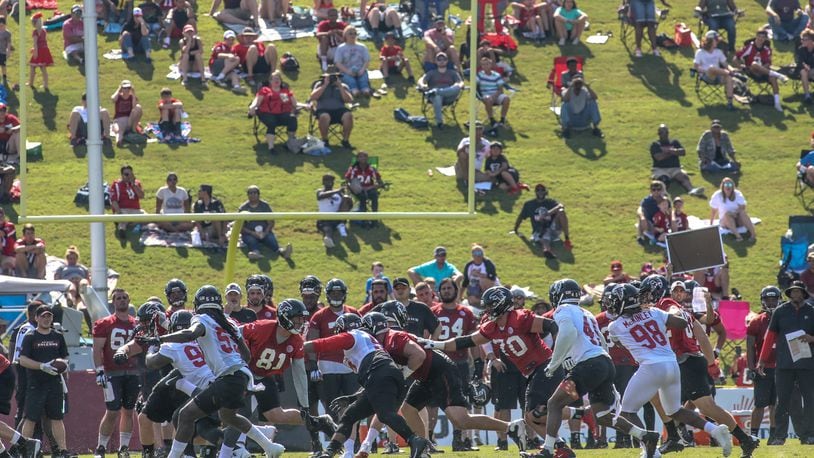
(48,106)
(660,78)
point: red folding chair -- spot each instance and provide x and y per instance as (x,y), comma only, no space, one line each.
(555,81)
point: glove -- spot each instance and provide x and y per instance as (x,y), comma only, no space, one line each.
(568,364)
(316,375)
(431,344)
(48,369)
(101,380)
(147,341)
(549,371)
(341,403)
(120,358)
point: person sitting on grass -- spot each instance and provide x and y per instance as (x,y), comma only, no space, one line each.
(172,200)
(579,108)
(364,181)
(441,86)
(261,231)
(275,105)
(786,18)
(255,57)
(191,55)
(211,231)
(440,39)
(78,124)
(569,22)
(804,58)
(223,64)
(393,59)
(490,88)
(332,200)
(755,58)
(170,110)
(527,18)
(729,205)
(503,175)
(9,136)
(680,220)
(135,37)
(352,59)
(330,36)
(662,220)
(715,150)
(330,96)
(548,221)
(235,12)
(30,249)
(126,111)
(710,62)
(381,18)
(73,38)
(648,207)
(179,17)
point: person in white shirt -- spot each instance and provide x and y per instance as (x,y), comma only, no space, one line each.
(331,200)
(172,199)
(711,63)
(729,205)
(462,165)
(78,124)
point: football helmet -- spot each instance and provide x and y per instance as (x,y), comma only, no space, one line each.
(479,393)
(394,311)
(269,289)
(769,298)
(255,281)
(374,323)
(654,287)
(310,285)
(623,298)
(208,297)
(179,320)
(289,309)
(347,322)
(604,301)
(176,293)
(336,291)
(690,285)
(564,291)
(148,310)
(497,300)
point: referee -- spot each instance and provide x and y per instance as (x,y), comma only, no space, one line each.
(791,317)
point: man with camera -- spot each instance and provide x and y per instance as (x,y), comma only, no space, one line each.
(125,195)
(579,108)
(330,97)
(666,155)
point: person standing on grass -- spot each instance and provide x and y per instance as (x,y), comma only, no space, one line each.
(40,54)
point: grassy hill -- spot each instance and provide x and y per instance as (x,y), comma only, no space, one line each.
(599,181)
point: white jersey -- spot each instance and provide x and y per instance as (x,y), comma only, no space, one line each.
(18,343)
(363,345)
(590,342)
(644,334)
(188,358)
(220,351)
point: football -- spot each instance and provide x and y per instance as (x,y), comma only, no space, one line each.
(60,365)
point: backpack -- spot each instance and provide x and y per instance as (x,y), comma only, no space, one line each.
(301,18)
(289,63)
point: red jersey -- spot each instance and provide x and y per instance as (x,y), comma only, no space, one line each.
(4,363)
(682,342)
(8,238)
(240,50)
(619,354)
(9,122)
(661,221)
(751,54)
(275,102)
(390,51)
(394,343)
(124,193)
(116,333)
(324,321)
(739,372)
(270,357)
(327,26)
(525,349)
(123,106)
(366,308)
(455,322)
(220,47)
(367,176)
(757,328)
(682,222)
(266,313)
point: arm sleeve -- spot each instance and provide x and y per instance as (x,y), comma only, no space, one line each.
(768,345)
(491,270)
(566,337)
(342,341)
(300,381)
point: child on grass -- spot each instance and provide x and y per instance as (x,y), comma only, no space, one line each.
(170,109)
(40,54)
(662,220)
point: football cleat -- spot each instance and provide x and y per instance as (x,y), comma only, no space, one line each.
(517,432)
(417,446)
(650,440)
(724,438)
(670,446)
(747,447)
(99,452)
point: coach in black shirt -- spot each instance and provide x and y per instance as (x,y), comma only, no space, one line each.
(421,321)
(795,315)
(44,384)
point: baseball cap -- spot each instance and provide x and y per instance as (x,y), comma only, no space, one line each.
(647,267)
(712,34)
(540,187)
(571,59)
(517,291)
(716,123)
(401,281)
(677,199)
(137,11)
(233,288)
(43,309)
(438,19)
(253,188)
(810,256)
(188,28)
(229,34)
(616,265)
(76,9)
(440,251)
(126,83)
(678,284)
(496,143)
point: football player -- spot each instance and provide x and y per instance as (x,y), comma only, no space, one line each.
(20,446)
(226,353)
(256,290)
(765,393)
(176,294)
(122,381)
(644,334)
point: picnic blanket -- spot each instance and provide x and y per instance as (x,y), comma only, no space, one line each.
(113,54)
(174,74)
(41,4)
(186,128)
(697,223)
(154,237)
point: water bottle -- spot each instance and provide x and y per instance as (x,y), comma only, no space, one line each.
(196,238)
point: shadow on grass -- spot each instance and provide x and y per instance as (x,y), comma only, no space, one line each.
(376,237)
(715,179)
(741,249)
(729,118)
(660,78)
(48,106)
(584,144)
(497,196)
(138,66)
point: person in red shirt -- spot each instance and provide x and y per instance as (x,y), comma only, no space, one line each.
(170,110)
(110,334)
(364,181)
(378,294)
(73,39)
(680,222)
(274,346)
(125,195)
(275,105)
(8,241)
(254,56)
(393,59)
(222,63)
(617,275)
(127,111)
(329,34)
(9,135)
(256,288)
(30,253)
(765,393)
(662,220)
(755,58)
(337,379)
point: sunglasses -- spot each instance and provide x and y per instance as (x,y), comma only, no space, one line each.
(253,192)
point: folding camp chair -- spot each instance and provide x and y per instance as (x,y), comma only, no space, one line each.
(555,81)
(702,17)
(801,185)
(707,91)
(627,22)
(334,130)
(447,109)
